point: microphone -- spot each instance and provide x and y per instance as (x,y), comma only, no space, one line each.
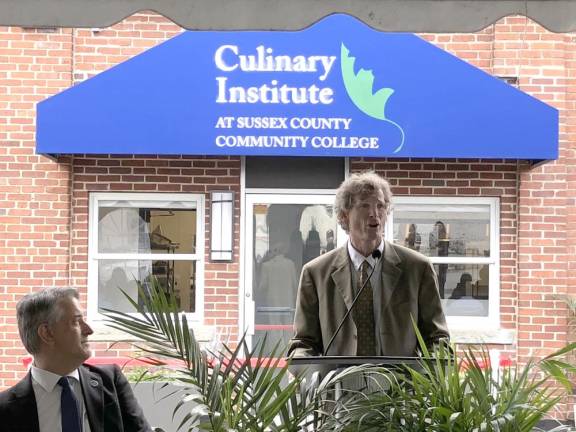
(376,254)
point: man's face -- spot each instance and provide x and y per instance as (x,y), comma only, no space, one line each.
(70,333)
(366,220)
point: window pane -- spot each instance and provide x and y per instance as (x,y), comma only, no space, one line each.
(464,288)
(444,230)
(123,228)
(173,276)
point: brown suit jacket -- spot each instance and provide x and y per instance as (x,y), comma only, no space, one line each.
(410,288)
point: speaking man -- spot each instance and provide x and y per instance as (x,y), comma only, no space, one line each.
(60,393)
(395,283)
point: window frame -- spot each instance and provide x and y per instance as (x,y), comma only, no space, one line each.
(491,321)
(272,196)
(94,256)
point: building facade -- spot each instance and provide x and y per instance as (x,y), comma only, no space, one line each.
(504,248)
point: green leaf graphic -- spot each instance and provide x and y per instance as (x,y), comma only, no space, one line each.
(359,87)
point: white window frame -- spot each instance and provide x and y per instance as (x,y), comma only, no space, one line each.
(273,196)
(94,256)
(492,321)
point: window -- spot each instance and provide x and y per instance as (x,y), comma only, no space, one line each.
(460,236)
(138,237)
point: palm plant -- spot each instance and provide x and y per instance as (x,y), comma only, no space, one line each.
(243,389)
(229,390)
(447,394)
(570,302)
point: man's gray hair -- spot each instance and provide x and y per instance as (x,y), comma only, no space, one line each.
(358,185)
(35,309)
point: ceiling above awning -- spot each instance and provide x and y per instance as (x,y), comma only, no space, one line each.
(338,88)
(388,15)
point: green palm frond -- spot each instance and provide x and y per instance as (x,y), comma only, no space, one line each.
(242,389)
(446,394)
(232,389)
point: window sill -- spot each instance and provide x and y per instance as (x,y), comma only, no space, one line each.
(498,336)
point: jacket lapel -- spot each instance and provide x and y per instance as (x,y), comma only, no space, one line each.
(92,391)
(390,274)
(342,276)
(27,410)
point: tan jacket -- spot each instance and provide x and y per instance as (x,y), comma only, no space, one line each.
(325,293)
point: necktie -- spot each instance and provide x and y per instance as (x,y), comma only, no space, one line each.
(363,315)
(69,408)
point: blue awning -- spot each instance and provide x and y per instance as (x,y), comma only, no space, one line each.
(338,88)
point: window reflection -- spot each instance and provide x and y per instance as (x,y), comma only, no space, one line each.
(413,238)
(466,290)
(175,277)
(456,236)
(146,230)
(441,231)
(142,239)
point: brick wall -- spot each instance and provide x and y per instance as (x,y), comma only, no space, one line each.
(542,62)
(198,175)
(569,140)
(44,203)
(34,191)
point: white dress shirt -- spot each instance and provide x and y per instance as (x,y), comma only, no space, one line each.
(375,281)
(47,393)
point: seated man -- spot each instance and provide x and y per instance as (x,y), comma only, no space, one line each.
(60,393)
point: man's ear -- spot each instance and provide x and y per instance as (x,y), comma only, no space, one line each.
(45,333)
(344,221)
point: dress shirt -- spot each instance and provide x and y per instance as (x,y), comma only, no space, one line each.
(47,393)
(357,259)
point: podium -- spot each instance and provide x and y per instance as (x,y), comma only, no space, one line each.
(314,369)
(324,364)
(344,361)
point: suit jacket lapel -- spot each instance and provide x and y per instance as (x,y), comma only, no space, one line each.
(390,274)
(27,408)
(342,276)
(92,391)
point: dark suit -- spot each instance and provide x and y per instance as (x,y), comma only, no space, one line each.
(109,401)
(410,288)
